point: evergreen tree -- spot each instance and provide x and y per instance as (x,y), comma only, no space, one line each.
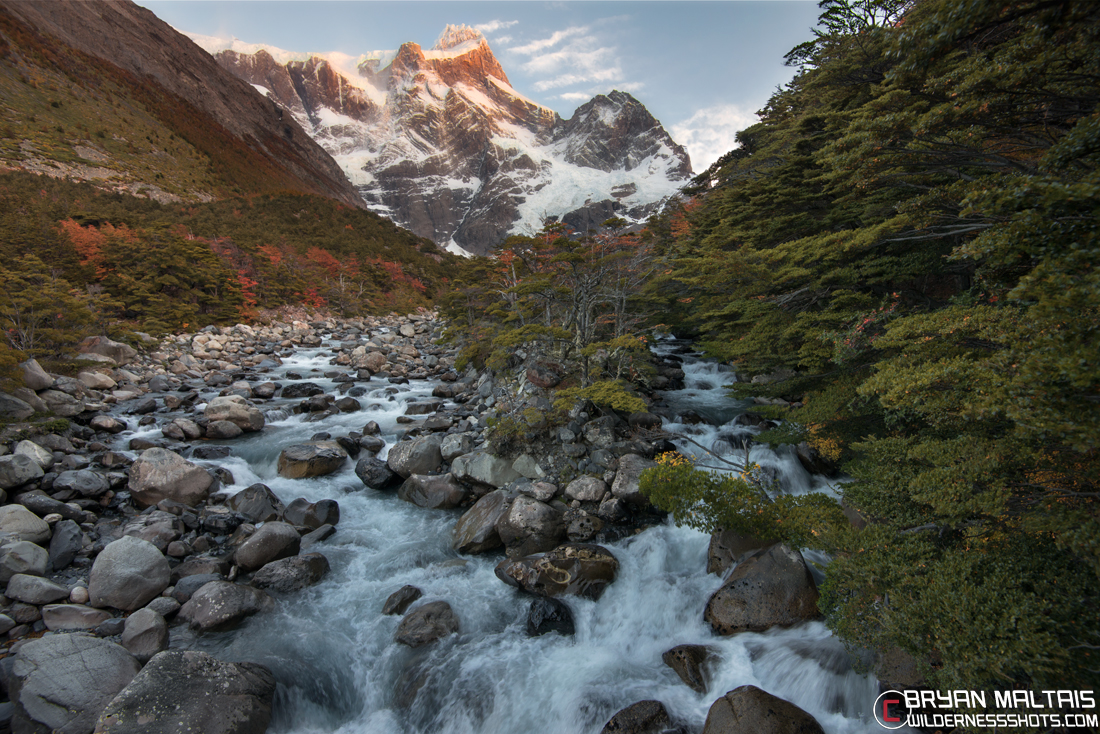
(912,226)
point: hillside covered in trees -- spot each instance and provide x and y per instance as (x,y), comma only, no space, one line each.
(75,260)
(907,242)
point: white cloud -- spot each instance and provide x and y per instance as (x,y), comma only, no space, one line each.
(555,38)
(578,62)
(710,133)
(503,39)
(595,75)
(495,25)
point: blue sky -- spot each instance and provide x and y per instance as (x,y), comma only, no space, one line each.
(701,68)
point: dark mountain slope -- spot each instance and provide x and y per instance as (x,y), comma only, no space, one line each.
(108,92)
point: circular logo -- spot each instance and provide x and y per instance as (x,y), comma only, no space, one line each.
(890,710)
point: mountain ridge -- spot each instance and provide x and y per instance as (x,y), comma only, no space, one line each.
(89,54)
(439,140)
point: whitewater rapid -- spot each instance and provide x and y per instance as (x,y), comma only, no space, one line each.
(339,669)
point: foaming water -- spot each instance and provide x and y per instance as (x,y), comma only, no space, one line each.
(340,670)
(705,392)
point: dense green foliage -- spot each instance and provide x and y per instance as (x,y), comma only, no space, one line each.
(913,227)
(571,296)
(76,260)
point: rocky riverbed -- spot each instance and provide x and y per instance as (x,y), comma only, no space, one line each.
(128,545)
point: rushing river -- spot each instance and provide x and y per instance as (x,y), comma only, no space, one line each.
(340,670)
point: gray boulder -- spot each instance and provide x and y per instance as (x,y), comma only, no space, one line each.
(542,491)
(188,585)
(586,489)
(72,617)
(476,530)
(83,481)
(292,574)
(158,527)
(427,623)
(17,522)
(313,459)
(236,410)
(483,468)
(62,404)
(222,605)
(418,456)
(41,455)
(456,445)
(643,717)
(14,409)
(196,565)
(728,547)
(34,590)
(373,361)
(165,606)
(530,527)
(579,569)
(23,557)
(771,587)
(222,430)
(127,574)
(375,473)
(145,634)
(580,526)
(159,474)
(614,510)
(96,380)
(424,407)
(192,692)
(257,503)
(42,505)
(527,466)
(316,536)
(690,663)
(271,542)
(600,432)
(107,424)
(437,492)
(312,515)
(62,682)
(399,601)
(17,470)
(627,479)
(549,615)
(749,710)
(34,377)
(119,352)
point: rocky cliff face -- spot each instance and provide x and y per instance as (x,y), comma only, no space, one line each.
(138,56)
(440,142)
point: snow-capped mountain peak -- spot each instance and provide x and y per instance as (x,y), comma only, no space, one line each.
(457,36)
(440,142)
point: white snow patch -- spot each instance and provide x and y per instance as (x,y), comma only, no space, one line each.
(327,117)
(454,51)
(457,249)
(261,89)
(507,88)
